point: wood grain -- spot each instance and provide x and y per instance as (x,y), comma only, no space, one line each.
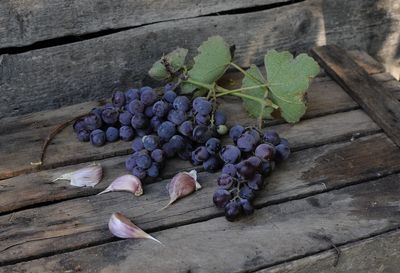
(67,74)
(80,222)
(273,234)
(377,254)
(379,103)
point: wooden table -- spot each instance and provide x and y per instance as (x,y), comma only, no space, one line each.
(338,192)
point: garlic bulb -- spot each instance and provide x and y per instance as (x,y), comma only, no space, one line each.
(128,182)
(88,176)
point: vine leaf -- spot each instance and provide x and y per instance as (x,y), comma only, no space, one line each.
(164,68)
(210,64)
(288,81)
(261,109)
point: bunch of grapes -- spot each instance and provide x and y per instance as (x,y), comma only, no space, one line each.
(160,126)
(246,164)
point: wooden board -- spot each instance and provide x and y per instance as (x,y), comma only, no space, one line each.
(273,234)
(80,222)
(373,255)
(380,104)
(28,132)
(23,23)
(91,69)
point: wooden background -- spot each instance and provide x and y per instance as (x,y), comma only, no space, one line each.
(57,52)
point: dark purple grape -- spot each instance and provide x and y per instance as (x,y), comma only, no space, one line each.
(186,128)
(181,103)
(83,135)
(225,181)
(98,110)
(160,108)
(245,169)
(213,145)
(229,169)
(110,115)
(272,137)
(282,152)
(151,142)
(202,119)
(126,133)
(125,118)
(170,96)
(143,161)
(112,134)
(148,111)
(92,122)
(255,134)
(154,170)
(255,161)
(233,210)
(139,172)
(137,144)
(131,94)
(284,141)
(266,168)
(265,151)
(256,183)
(221,197)
(130,163)
(147,95)
(230,154)
(168,150)
(97,138)
(246,193)
(235,132)
(139,121)
(118,99)
(166,130)
(246,142)
(202,106)
(135,106)
(79,125)
(201,133)
(186,153)
(212,164)
(158,155)
(200,154)
(177,142)
(177,116)
(247,207)
(219,118)
(155,122)
(169,87)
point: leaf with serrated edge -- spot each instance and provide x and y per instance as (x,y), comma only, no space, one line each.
(176,60)
(210,64)
(256,108)
(288,81)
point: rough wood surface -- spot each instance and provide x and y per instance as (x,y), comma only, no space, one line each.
(80,222)
(28,132)
(379,254)
(24,23)
(273,234)
(381,104)
(67,74)
(37,188)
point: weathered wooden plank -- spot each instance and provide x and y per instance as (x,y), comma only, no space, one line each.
(273,234)
(80,222)
(63,75)
(377,254)
(37,188)
(23,23)
(380,104)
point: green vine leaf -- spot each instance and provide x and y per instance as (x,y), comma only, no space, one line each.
(258,108)
(288,81)
(210,64)
(164,68)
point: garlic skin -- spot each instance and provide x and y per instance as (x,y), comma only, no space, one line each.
(128,182)
(88,176)
(121,227)
(181,185)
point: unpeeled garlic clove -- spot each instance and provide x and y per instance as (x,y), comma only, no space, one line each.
(121,227)
(88,176)
(128,182)
(181,185)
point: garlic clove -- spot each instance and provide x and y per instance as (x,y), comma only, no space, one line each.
(88,176)
(128,182)
(181,185)
(121,227)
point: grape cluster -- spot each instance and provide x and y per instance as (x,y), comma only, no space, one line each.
(160,126)
(246,164)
